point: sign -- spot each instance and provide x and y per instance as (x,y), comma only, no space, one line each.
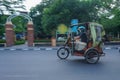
(62,29)
(74,22)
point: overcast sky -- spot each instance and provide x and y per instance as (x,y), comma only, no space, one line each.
(31,3)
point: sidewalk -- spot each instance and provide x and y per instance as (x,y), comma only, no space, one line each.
(108,45)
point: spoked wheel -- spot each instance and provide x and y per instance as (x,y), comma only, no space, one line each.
(92,56)
(63,53)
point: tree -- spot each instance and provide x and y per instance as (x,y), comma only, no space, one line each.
(7,7)
(10,5)
(62,11)
(50,13)
(19,24)
(110,17)
(36,14)
(2,24)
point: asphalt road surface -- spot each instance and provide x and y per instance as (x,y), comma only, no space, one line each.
(45,65)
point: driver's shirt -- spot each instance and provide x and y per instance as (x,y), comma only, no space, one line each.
(83,37)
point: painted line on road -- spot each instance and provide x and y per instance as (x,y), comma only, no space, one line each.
(12,49)
(25,49)
(108,48)
(36,49)
(48,49)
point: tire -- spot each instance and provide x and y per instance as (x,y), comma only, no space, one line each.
(63,53)
(92,56)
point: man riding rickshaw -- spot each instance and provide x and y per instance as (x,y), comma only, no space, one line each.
(86,42)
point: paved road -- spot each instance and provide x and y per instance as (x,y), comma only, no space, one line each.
(44,65)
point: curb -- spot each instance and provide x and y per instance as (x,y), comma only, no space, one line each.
(51,48)
(48,49)
(26,49)
(111,48)
(112,43)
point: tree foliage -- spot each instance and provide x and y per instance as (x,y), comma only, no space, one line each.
(110,17)
(50,13)
(7,7)
(19,24)
(2,24)
(10,5)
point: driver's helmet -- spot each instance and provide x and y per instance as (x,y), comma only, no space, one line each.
(81,29)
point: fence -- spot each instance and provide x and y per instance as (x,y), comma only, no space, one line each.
(113,36)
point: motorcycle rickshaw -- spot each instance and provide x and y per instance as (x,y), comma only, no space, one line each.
(92,51)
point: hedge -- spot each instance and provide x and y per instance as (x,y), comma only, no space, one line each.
(18,42)
(42,40)
(2,41)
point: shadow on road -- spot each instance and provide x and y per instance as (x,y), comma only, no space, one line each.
(81,63)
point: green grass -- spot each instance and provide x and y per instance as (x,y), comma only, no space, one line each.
(19,42)
(115,39)
(42,40)
(2,41)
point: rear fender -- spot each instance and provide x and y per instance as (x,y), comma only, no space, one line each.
(90,49)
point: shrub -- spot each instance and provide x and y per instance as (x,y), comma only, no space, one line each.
(18,42)
(2,41)
(42,40)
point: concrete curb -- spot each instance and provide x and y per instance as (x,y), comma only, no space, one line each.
(112,43)
(48,48)
(26,49)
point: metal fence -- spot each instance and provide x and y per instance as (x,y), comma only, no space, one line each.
(113,36)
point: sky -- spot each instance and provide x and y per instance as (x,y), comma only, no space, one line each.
(31,3)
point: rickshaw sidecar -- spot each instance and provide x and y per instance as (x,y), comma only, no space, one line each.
(93,48)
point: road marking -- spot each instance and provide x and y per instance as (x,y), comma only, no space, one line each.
(25,49)
(49,49)
(12,49)
(36,49)
(108,48)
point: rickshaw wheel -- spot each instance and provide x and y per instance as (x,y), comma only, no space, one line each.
(63,53)
(92,56)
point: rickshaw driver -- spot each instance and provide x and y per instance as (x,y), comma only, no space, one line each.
(81,39)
